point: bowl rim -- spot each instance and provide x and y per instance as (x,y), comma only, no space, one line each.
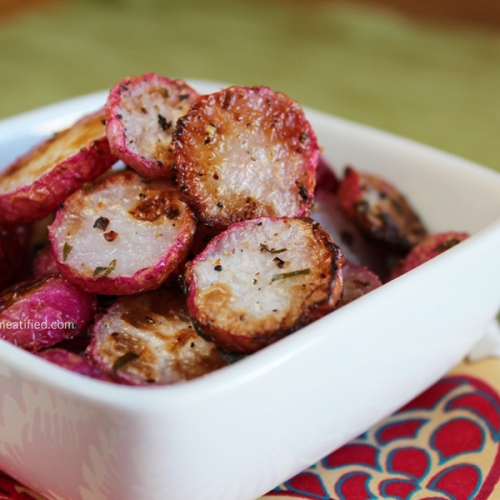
(74,385)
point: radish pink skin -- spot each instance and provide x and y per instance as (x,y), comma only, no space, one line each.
(390,221)
(244,344)
(73,362)
(116,132)
(44,263)
(48,300)
(326,180)
(358,281)
(200,198)
(35,201)
(430,247)
(144,280)
(356,247)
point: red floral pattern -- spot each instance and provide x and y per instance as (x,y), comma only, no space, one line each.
(435,447)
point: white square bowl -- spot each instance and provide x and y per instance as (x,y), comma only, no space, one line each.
(240,431)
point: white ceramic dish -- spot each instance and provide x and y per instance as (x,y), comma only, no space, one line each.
(237,433)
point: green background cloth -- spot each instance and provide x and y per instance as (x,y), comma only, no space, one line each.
(440,87)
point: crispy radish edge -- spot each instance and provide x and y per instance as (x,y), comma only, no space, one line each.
(380,211)
(242,344)
(431,246)
(145,279)
(33,201)
(161,163)
(213,212)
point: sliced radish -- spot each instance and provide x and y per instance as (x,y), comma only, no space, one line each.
(263,279)
(358,281)
(141,115)
(124,236)
(243,153)
(380,211)
(40,313)
(326,210)
(38,182)
(149,339)
(432,246)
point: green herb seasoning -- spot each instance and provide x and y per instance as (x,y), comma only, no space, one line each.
(120,362)
(291,274)
(265,248)
(66,250)
(104,272)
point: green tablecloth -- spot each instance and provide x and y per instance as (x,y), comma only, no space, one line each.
(438,87)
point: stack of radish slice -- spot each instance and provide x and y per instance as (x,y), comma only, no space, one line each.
(201,248)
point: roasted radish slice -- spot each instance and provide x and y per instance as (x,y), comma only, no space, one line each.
(358,281)
(356,247)
(263,279)
(38,182)
(430,247)
(40,313)
(149,338)
(380,211)
(73,362)
(124,236)
(141,116)
(243,153)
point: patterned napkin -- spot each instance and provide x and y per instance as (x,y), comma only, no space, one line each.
(443,445)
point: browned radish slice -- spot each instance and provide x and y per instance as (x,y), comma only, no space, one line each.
(40,313)
(430,247)
(358,281)
(14,254)
(73,362)
(141,116)
(124,236)
(243,153)
(149,338)
(263,279)
(38,182)
(44,263)
(380,211)
(326,210)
